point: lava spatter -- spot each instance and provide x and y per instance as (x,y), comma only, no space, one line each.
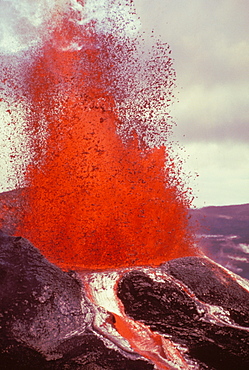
(96,199)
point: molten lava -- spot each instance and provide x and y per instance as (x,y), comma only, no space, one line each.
(94,201)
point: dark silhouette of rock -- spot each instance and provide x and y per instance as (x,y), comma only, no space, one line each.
(45,318)
(198,305)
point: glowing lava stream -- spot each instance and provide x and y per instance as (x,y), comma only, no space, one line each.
(129,335)
(136,338)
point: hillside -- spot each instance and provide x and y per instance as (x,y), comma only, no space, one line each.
(223,235)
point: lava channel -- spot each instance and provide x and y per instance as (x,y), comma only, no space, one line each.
(125,333)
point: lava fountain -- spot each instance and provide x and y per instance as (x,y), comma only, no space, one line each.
(99,188)
(102,190)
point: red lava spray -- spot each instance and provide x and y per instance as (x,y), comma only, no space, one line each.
(97,200)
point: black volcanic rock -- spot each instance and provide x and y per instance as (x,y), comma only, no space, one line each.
(84,352)
(47,322)
(90,352)
(212,285)
(45,319)
(197,305)
(40,304)
(159,305)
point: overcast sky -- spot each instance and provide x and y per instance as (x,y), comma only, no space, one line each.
(210,46)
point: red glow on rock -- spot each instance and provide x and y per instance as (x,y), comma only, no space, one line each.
(94,201)
(152,346)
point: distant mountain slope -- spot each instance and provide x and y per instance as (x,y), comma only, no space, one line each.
(223,234)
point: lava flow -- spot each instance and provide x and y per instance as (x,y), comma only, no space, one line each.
(95,200)
(126,333)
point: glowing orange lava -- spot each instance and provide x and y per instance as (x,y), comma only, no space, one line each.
(95,202)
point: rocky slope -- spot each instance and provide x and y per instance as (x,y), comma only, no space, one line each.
(224,235)
(189,313)
(46,320)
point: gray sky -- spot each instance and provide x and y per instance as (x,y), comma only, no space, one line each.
(210,45)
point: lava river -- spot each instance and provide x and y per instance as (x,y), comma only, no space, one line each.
(112,322)
(128,334)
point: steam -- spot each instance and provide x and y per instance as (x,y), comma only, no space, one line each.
(22,23)
(25,24)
